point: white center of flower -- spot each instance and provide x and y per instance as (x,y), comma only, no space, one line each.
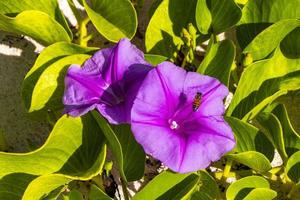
(174,125)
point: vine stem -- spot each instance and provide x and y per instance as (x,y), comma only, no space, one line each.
(124,188)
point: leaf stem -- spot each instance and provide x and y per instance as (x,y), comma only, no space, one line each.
(124,188)
(83,32)
(227,169)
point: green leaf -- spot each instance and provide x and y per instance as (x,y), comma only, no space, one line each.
(218,61)
(292,169)
(262,82)
(12,186)
(129,154)
(266,41)
(290,45)
(168,185)
(291,137)
(75,195)
(249,138)
(49,88)
(44,185)
(155,59)
(75,147)
(261,193)
(239,189)
(113,19)
(35,24)
(13,7)
(207,189)
(259,14)
(215,16)
(252,159)
(163,32)
(48,56)
(97,194)
(273,130)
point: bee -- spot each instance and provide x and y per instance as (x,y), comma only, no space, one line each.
(197,101)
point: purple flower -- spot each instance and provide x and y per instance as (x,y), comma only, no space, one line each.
(177,118)
(108,81)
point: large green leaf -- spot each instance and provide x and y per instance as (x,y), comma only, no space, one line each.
(129,154)
(47,57)
(165,26)
(249,138)
(239,189)
(215,16)
(262,82)
(75,147)
(155,59)
(218,61)
(35,24)
(48,91)
(266,41)
(168,185)
(259,14)
(43,186)
(252,159)
(113,19)
(292,168)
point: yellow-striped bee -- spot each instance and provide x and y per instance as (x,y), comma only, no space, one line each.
(197,101)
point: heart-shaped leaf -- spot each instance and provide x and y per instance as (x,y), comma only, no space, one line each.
(215,16)
(48,56)
(113,19)
(165,26)
(218,61)
(129,154)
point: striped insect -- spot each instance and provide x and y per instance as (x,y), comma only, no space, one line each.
(197,101)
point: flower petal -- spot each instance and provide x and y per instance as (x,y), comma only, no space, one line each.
(83,88)
(160,142)
(161,89)
(208,139)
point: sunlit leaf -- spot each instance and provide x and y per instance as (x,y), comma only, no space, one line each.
(252,159)
(113,19)
(48,56)
(242,187)
(262,82)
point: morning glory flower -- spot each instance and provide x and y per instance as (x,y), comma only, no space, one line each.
(108,82)
(177,118)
